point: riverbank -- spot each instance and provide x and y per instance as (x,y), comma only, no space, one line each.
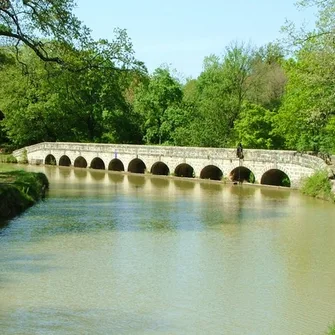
(20,190)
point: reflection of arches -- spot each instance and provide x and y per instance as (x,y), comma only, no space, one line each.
(184,184)
(116,177)
(80,162)
(97,164)
(80,174)
(276,177)
(159,182)
(116,165)
(64,161)
(241,173)
(97,175)
(211,172)
(184,170)
(50,160)
(136,166)
(137,181)
(160,168)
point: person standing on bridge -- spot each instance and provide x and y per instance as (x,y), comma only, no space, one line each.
(239,151)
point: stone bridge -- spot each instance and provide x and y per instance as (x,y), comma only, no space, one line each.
(270,167)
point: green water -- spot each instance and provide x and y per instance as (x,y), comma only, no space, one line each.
(125,254)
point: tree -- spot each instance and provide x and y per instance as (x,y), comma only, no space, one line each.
(156,102)
(29,21)
(268,79)
(254,128)
(222,88)
(308,106)
(306,116)
(51,30)
(50,104)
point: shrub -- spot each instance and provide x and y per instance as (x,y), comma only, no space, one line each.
(7,159)
(318,185)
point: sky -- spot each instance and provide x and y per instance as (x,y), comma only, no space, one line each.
(182,33)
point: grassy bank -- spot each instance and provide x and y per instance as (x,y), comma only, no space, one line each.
(20,190)
(318,186)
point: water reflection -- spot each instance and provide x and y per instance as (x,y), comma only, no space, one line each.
(110,253)
(275,194)
(242,190)
(97,175)
(65,172)
(80,173)
(136,180)
(115,177)
(184,184)
(160,182)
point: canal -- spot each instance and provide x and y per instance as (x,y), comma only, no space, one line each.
(109,253)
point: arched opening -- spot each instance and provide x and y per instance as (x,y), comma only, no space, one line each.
(276,177)
(97,164)
(136,166)
(184,170)
(80,162)
(160,168)
(211,172)
(64,161)
(50,160)
(115,165)
(241,174)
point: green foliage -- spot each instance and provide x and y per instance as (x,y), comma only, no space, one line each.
(318,186)
(158,104)
(331,330)
(306,117)
(50,104)
(4,158)
(254,128)
(19,190)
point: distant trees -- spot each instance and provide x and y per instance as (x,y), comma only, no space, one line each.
(57,83)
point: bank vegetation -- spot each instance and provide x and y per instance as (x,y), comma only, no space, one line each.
(20,190)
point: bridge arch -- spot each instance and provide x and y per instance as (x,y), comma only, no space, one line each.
(136,166)
(184,170)
(211,172)
(50,160)
(241,174)
(276,177)
(97,164)
(64,161)
(160,168)
(116,165)
(80,162)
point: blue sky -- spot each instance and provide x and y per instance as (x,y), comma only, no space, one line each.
(182,33)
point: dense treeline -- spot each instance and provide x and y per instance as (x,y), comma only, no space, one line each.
(258,96)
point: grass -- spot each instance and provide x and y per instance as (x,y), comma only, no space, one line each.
(20,190)
(318,186)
